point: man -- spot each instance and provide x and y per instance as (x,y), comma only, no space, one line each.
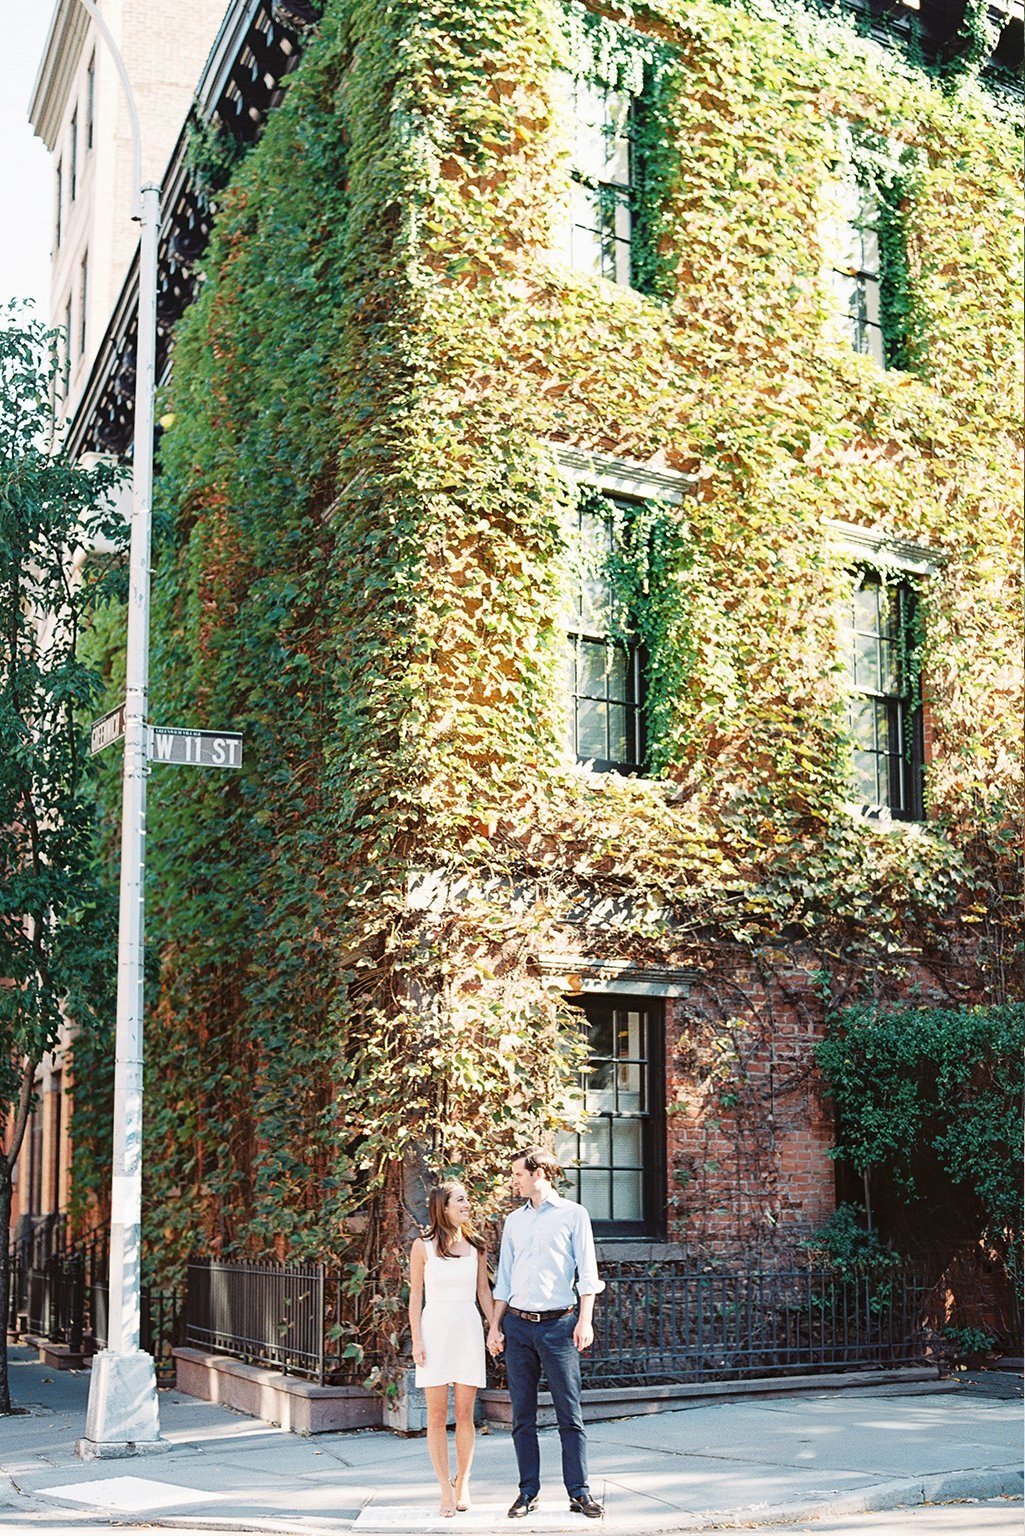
(544,1293)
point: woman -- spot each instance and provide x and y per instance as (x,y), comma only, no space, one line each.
(448,1340)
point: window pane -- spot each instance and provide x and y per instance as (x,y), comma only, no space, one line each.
(600,1087)
(627,1197)
(866,662)
(864,718)
(617,138)
(866,778)
(566,1151)
(889,667)
(626,1144)
(589,156)
(591,724)
(591,663)
(888,599)
(871,302)
(869,252)
(616,661)
(596,1194)
(630,1033)
(586,246)
(600,1034)
(875,346)
(623,267)
(866,608)
(594,1143)
(618,752)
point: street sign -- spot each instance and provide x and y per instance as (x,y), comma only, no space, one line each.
(197,749)
(110,728)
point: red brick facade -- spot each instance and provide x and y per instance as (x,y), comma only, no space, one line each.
(747,1130)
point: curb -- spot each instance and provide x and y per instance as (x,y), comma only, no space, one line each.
(943,1487)
(984,1483)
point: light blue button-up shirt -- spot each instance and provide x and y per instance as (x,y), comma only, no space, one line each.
(547,1258)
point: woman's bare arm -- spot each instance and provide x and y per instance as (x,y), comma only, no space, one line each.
(416,1300)
(484,1296)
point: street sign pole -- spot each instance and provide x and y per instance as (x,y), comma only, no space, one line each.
(123,1417)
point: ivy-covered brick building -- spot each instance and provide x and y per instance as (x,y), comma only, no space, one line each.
(591,480)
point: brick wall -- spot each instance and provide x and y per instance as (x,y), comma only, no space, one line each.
(748,1134)
(748,1125)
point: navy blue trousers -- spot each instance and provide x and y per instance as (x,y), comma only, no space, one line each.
(529,1348)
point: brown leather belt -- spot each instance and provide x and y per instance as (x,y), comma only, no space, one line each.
(540,1317)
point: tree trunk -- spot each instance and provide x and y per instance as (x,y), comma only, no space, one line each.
(5,1280)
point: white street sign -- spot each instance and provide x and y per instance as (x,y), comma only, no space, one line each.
(110,728)
(197,749)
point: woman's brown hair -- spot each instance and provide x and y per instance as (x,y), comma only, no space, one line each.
(439,1229)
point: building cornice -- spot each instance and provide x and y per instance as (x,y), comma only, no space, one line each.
(65,40)
(885,549)
(242,81)
(587,974)
(623,476)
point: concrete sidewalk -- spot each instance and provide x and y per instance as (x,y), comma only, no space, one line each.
(721,1463)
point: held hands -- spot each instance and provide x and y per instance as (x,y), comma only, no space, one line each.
(496,1340)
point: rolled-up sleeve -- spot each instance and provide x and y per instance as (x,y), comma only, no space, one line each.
(588,1282)
(503,1275)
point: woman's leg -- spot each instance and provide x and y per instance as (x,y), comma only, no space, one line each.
(437,1443)
(466,1440)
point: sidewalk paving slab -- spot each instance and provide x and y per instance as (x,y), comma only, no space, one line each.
(719,1464)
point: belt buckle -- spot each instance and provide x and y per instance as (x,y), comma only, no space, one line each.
(531,1317)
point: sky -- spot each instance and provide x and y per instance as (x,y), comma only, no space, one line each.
(26,178)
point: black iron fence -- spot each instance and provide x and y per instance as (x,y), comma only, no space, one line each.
(654,1323)
(297,1318)
(59,1293)
(267,1314)
(664,1323)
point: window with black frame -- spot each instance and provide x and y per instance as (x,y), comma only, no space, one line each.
(616,1167)
(602,197)
(605,675)
(884,710)
(858,274)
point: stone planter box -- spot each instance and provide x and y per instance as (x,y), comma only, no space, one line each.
(289,1401)
(626,1402)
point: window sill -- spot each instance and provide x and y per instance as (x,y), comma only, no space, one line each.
(597,778)
(880,820)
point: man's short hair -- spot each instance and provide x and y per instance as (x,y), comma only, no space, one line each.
(540,1161)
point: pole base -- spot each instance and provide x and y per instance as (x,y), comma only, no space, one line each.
(122,1418)
(106,1450)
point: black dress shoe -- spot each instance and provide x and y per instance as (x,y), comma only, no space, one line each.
(583,1504)
(523,1506)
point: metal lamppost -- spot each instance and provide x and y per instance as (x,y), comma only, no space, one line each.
(123,1417)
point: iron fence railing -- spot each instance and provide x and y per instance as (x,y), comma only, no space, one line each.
(266,1313)
(59,1290)
(664,1323)
(655,1323)
(298,1318)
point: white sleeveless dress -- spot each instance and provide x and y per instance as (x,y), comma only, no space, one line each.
(450,1325)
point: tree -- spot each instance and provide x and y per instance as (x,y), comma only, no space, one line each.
(55,920)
